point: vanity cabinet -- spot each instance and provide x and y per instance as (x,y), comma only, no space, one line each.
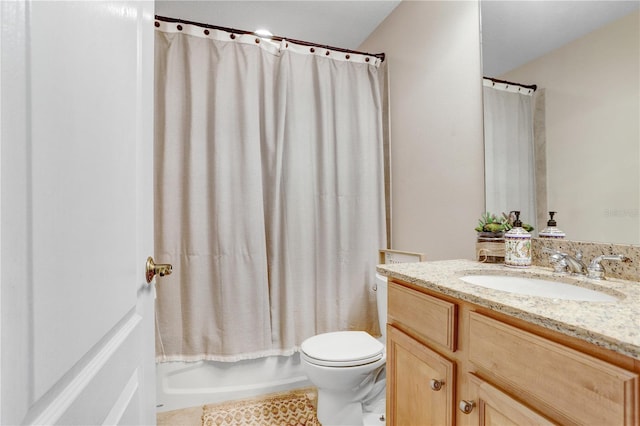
(573,387)
(422,382)
(452,362)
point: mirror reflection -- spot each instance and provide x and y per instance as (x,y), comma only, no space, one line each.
(584,58)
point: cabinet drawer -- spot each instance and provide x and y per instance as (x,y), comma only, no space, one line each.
(572,387)
(429,316)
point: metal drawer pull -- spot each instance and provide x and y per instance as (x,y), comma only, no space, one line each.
(436,384)
(466,406)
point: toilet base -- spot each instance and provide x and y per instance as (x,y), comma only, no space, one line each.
(338,409)
(335,412)
(355,407)
(374,419)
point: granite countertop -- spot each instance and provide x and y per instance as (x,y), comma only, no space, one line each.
(612,325)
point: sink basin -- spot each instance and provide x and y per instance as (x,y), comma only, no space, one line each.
(538,288)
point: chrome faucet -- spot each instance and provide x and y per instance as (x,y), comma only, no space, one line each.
(559,263)
(575,263)
(564,262)
(596,270)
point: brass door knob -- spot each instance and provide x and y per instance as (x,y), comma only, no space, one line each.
(153,269)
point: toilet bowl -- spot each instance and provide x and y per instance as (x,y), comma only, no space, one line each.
(347,367)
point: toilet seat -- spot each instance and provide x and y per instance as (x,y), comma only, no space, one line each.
(342,349)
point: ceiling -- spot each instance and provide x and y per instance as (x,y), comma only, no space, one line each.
(513,32)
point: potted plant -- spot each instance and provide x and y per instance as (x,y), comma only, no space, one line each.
(491,227)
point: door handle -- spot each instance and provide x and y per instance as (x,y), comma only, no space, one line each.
(153,269)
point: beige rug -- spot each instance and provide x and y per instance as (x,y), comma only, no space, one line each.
(292,408)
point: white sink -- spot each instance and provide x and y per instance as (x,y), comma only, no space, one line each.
(538,288)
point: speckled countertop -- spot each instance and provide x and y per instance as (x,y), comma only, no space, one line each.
(612,325)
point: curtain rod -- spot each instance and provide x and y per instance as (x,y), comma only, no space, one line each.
(380,56)
(533,87)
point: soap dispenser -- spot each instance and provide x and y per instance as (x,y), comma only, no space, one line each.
(517,245)
(551,231)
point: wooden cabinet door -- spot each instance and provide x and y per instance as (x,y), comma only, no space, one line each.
(420,382)
(494,407)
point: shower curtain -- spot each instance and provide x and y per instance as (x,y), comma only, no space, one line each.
(509,153)
(269,192)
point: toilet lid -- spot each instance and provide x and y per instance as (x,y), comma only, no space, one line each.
(342,349)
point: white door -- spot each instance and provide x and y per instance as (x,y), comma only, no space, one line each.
(76,224)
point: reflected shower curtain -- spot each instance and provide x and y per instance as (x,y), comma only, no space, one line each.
(509,154)
(269,194)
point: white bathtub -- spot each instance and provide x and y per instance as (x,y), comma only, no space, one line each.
(189,384)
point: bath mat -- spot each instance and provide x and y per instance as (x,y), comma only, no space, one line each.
(294,408)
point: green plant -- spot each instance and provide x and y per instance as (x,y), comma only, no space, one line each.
(489,222)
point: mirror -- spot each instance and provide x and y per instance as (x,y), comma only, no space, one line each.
(584,56)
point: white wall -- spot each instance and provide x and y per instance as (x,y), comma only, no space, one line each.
(593,131)
(437,158)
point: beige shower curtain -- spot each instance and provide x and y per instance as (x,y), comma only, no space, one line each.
(269,193)
(509,151)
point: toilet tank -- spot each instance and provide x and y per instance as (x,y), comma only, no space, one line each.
(381,298)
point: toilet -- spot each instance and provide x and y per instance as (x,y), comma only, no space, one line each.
(347,367)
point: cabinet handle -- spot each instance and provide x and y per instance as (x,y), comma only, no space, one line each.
(466,406)
(436,384)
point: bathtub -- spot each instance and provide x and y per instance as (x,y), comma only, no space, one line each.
(189,384)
